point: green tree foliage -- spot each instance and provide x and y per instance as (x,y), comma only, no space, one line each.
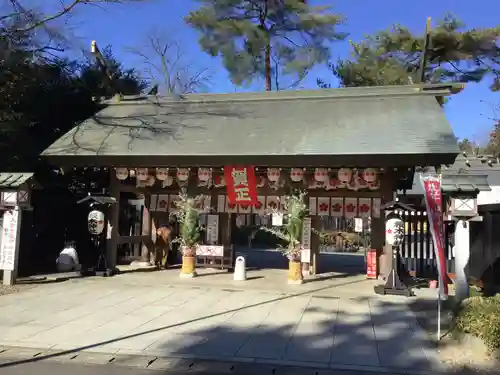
(188,216)
(493,146)
(42,95)
(126,81)
(393,57)
(246,33)
(294,211)
(465,145)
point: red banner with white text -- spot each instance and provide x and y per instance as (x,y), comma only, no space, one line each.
(434,204)
(241,185)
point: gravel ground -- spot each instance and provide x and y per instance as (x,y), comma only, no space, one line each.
(4,289)
(468,353)
(465,354)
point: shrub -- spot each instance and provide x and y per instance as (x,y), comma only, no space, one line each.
(480,316)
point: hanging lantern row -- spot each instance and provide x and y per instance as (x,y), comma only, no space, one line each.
(353,179)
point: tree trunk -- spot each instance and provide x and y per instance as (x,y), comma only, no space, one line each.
(267,52)
(268,66)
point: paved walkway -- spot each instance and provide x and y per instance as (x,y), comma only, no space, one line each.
(156,314)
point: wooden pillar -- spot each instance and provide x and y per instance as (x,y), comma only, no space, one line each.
(378,237)
(214,210)
(113,217)
(146,249)
(145,245)
(384,253)
(315,242)
(225,222)
(151,233)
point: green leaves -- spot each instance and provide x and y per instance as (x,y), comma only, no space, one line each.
(393,56)
(188,215)
(294,212)
(296,36)
(43,96)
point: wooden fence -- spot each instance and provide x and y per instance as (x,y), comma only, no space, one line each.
(417,251)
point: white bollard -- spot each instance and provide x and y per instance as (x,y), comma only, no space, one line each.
(240,270)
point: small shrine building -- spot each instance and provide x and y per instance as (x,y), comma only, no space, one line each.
(351,149)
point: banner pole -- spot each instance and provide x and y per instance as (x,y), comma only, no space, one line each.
(439,316)
(438,170)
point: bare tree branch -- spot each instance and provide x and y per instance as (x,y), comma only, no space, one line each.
(35,20)
(168,67)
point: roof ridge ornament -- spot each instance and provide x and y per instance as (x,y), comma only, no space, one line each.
(101,61)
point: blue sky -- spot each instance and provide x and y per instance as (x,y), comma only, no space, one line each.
(124,26)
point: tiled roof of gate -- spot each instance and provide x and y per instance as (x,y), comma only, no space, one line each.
(468,173)
(464,183)
(404,120)
(10,180)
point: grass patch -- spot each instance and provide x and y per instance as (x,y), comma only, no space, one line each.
(480,317)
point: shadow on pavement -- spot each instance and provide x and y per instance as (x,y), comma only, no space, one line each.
(328,336)
(331,335)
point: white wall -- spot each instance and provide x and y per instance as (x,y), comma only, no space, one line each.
(489,197)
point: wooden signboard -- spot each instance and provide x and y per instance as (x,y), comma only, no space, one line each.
(371,264)
(9,240)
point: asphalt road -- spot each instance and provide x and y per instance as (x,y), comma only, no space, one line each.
(52,368)
(55,368)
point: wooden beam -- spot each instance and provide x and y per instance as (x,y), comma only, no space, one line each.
(427,41)
(133,239)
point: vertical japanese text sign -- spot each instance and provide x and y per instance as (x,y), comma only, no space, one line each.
(9,240)
(241,185)
(433,203)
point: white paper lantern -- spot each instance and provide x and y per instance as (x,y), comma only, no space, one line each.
(151,180)
(273,174)
(161,174)
(142,174)
(182,174)
(95,222)
(168,181)
(204,174)
(369,175)
(121,173)
(344,175)
(296,174)
(394,232)
(321,174)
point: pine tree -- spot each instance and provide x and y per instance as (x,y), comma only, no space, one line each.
(393,57)
(246,34)
(493,145)
(294,210)
(467,146)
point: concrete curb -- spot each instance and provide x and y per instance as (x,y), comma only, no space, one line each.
(10,356)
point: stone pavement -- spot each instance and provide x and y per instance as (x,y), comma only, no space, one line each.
(155,314)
